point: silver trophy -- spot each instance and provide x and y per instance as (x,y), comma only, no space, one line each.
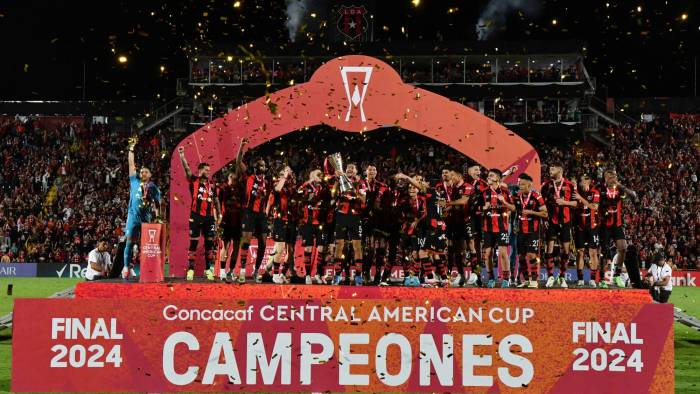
(337,162)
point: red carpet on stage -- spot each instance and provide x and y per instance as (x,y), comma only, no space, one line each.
(219,291)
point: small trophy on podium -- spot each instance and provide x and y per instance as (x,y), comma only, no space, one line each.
(337,162)
(133,141)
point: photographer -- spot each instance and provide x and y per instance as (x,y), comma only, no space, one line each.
(659,279)
(99,262)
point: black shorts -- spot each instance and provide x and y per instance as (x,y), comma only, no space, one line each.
(283,231)
(587,239)
(254,222)
(561,231)
(313,234)
(230,232)
(528,243)
(660,295)
(329,230)
(496,239)
(202,225)
(348,227)
(436,240)
(473,228)
(411,243)
(456,229)
(614,233)
(368,227)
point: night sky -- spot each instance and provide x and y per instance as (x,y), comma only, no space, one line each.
(635,48)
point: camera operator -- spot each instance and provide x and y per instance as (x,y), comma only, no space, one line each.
(99,262)
(659,279)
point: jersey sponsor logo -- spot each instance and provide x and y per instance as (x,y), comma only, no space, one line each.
(17,270)
(61,270)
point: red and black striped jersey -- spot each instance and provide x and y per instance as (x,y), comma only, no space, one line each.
(444,191)
(385,199)
(479,186)
(231,199)
(414,210)
(202,190)
(280,204)
(532,201)
(255,193)
(587,218)
(551,191)
(459,213)
(433,216)
(315,199)
(374,190)
(350,202)
(391,205)
(496,215)
(611,206)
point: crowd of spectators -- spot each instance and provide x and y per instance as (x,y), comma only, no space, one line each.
(512,72)
(63,188)
(537,111)
(549,73)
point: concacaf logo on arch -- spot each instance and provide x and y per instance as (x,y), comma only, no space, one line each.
(357,96)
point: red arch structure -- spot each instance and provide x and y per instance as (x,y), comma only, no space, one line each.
(350,93)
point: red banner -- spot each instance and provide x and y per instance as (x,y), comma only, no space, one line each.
(322,338)
(694,117)
(152,258)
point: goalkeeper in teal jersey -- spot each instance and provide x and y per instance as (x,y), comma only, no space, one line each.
(144,203)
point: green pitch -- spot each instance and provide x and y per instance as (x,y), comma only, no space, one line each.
(26,288)
(687,341)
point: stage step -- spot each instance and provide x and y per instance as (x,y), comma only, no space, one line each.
(686,319)
(218,290)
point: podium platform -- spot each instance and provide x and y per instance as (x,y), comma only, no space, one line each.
(214,336)
(180,289)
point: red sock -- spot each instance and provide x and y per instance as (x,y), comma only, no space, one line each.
(563,261)
(307,262)
(190,260)
(427,266)
(440,266)
(358,267)
(549,259)
(338,266)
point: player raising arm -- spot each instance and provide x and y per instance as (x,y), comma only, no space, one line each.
(230,196)
(144,203)
(204,215)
